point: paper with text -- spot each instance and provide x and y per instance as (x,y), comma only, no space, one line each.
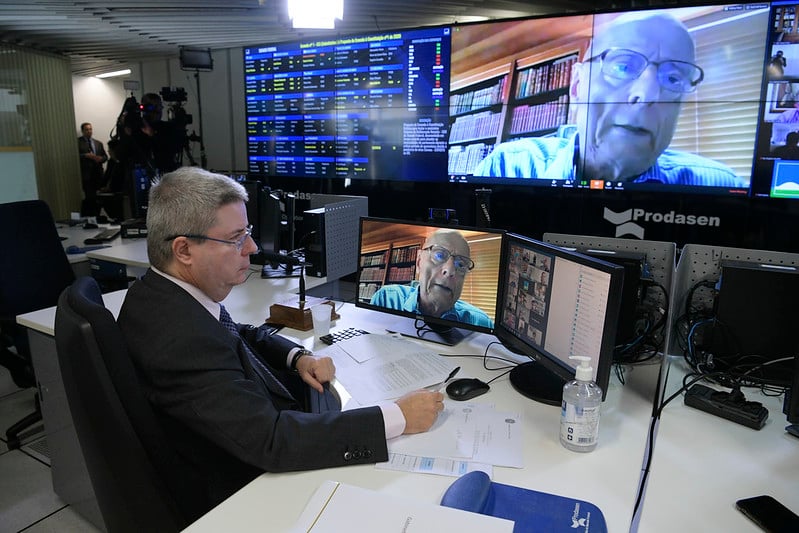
(398,366)
(432,465)
(473,431)
(337,507)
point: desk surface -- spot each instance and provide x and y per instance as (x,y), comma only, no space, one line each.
(75,235)
(248,302)
(607,477)
(129,252)
(702,464)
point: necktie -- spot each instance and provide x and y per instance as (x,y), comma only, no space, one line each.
(272,383)
(91,145)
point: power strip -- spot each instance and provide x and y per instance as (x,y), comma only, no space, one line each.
(723,404)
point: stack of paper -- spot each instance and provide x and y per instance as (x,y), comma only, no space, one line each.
(337,507)
(466,437)
(375,367)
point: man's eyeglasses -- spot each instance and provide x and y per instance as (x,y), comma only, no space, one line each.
(440,255)
(238,243)
(628,65)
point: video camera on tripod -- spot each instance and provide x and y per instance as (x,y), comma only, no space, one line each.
(175,139)
(175,111)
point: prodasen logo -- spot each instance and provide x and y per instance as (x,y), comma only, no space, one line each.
(624,226)
(627,221)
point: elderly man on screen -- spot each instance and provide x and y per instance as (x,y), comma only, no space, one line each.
(442,264)
(633,81)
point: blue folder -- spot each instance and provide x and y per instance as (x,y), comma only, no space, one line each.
(530,510)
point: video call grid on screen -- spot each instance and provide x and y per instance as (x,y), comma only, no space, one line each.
(380,235)
(554,305)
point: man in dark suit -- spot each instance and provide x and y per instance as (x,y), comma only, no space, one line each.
(92,156)
(219,387)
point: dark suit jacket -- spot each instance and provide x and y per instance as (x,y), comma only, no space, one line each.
(214,408)
(90,171)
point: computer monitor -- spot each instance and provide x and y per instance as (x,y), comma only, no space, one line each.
(442,278)
(554,304)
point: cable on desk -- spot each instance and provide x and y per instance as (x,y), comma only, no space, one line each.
(731,371)
(510,363)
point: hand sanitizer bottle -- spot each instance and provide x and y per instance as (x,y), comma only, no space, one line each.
(579,418)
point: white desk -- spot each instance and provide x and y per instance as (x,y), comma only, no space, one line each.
(702,464)
(75,235)
(128,252)
(607,477)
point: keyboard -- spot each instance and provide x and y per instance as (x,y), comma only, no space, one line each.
(104,236)
(336,336)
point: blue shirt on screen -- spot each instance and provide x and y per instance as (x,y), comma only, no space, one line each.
(555,158)
(406,298)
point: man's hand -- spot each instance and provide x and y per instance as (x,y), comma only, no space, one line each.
(421,409)
(316,370)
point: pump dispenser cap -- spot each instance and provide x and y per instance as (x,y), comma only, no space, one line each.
(584,371)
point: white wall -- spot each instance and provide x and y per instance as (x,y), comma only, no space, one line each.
(18,180)
(221,91)
(99,102)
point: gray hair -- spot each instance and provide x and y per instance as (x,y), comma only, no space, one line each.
(183,202)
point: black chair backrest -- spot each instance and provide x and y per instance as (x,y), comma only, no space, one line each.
(34,266)
(139,481)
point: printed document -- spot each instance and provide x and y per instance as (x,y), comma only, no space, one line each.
(378,367)
(337,507)
(439,466)
(468,431)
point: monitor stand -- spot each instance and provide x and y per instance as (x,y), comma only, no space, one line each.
(446,335)
(538,383)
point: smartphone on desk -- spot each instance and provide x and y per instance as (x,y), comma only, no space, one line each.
(769,514)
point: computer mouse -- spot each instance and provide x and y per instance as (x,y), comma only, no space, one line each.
(466,388)
(89,225)
(72,249)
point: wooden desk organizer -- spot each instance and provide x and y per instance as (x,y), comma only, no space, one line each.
(296,314)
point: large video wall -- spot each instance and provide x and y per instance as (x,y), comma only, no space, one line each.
(615,107)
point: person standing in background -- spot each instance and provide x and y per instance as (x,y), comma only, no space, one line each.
(92,156)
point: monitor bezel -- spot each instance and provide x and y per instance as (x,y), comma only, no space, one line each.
(548,361)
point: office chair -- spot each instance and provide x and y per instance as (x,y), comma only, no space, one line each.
(35,270)
(141,484)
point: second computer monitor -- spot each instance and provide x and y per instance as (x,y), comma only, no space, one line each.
(554,304)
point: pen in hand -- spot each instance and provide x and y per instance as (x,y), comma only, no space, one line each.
(438,386)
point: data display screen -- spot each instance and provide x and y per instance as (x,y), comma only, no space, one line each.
(371,106)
